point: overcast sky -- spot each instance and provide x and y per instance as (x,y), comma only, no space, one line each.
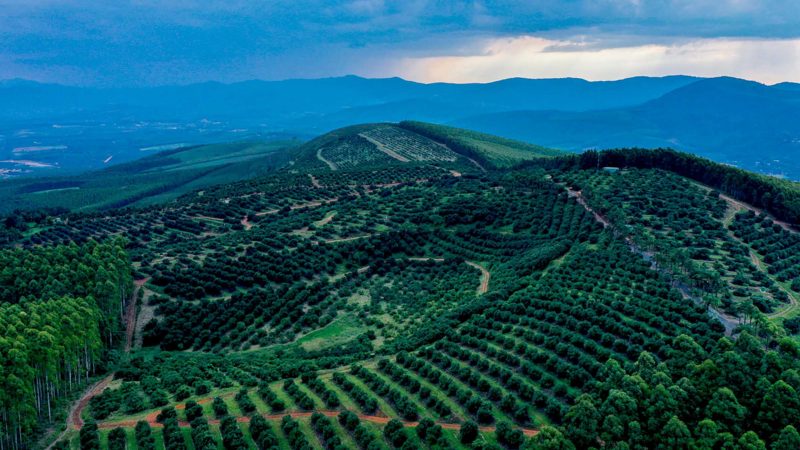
(154,42)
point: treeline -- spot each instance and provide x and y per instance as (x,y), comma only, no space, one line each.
(13,225)
(60,307)
(735,395)
(781,198)
(99,271)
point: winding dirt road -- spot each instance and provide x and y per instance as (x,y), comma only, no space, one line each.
(485,277)
(740,206)
(793,303)
(330,164)
(74,418)
(729,322)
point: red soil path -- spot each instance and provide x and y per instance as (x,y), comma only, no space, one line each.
(246,223)
(151,419)
(75,420)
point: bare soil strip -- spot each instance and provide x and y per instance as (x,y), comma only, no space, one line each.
(384,149)
(325,220)
(74,418)
(321,158)
(579,198)
(477,164)
(215,219)
(130,314)
(351,238)
(485,277)
(246,223)
(151,419)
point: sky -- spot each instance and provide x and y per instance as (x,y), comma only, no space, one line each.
(157,42)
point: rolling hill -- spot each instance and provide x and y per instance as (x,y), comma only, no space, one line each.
(75,129)
(382,144)
(58,130)
(382,291)
(153,179)
(171,173)
(732,121)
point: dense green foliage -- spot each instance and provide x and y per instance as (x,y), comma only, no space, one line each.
(780,197)
(150,180)
(606,308)
(493,151)
(60,310)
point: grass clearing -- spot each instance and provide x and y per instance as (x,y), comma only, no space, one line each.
(340,331)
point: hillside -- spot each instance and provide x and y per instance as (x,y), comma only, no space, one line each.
(157,178)
(57,130)
(492,150)
(361,301)
(379,145)
(732,121)
(49,129)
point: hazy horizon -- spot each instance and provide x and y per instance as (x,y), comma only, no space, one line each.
(150,43)
(352,75)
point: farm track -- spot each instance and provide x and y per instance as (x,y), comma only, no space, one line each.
(130,314)
(347,239)
(793,303)
(382,147)
(729,322)
(326,220)
(380,420)
(737,206)
(734,207)
(75,416)
(741,206)
(330,164)
(485,277)
(74,419)
(246,223)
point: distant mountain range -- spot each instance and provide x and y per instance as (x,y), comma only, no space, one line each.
(78,128)
(726,119)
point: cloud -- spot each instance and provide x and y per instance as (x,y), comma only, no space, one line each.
(765,60)
(157,42)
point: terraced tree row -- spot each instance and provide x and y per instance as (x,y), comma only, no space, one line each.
(684,226)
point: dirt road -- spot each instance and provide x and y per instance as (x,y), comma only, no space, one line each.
(330,164)
(485,277)
(74,418)
(730,323)
(380,420)
(246,223)
(130,314)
